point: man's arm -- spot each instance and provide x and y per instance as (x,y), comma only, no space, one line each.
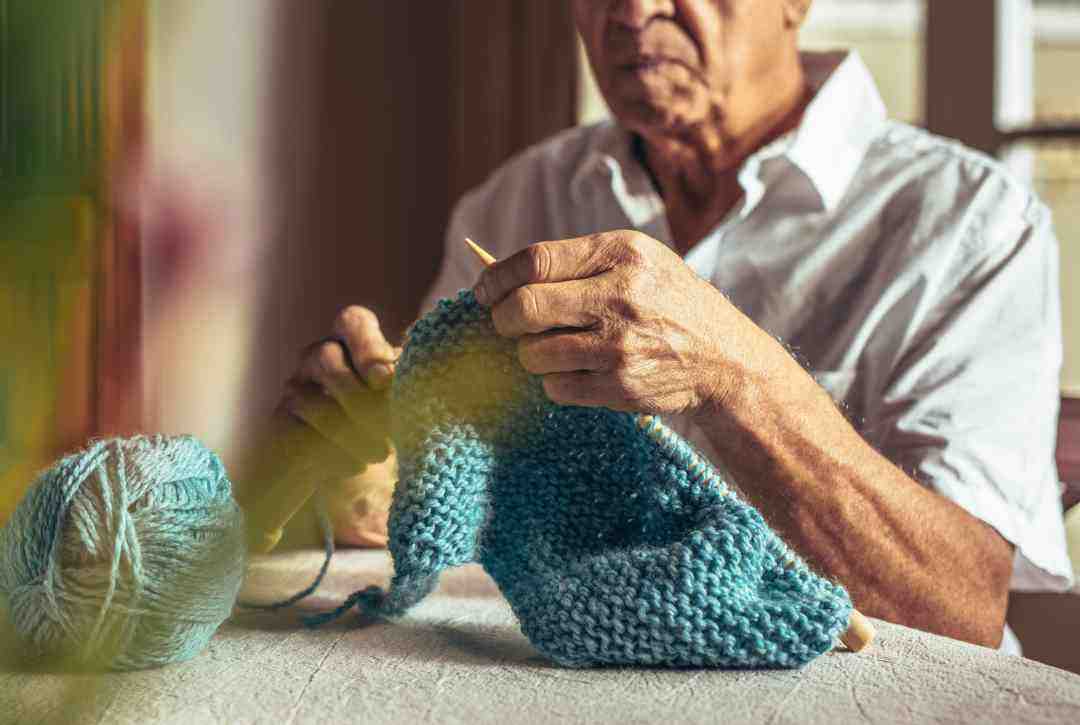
(905,553)
(970,408)
(618,320)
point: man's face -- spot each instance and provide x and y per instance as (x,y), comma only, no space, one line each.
(667,65)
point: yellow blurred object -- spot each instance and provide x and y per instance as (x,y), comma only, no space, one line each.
(45,334)
(296,458)
(358,507)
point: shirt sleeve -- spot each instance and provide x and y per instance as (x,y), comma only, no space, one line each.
(971,410)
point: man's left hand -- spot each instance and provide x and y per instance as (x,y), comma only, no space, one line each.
(617,319)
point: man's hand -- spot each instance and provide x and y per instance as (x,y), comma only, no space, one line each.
(617,319)
(331,426)
(340,389)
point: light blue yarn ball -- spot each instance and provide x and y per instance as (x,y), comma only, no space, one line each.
(127,555)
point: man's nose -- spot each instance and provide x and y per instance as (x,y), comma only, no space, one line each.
(637,13)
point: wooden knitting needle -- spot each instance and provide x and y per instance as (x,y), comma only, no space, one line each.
(486,258)
(860,632)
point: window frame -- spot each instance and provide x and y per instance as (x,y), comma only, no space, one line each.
(984,97)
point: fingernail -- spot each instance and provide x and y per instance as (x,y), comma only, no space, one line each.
(380,376)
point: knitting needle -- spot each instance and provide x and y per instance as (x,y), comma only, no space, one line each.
(486,258)
(860,632)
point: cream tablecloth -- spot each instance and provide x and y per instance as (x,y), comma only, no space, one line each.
(459,658)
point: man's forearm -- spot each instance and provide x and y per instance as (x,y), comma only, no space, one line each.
(905,553)
(616,319)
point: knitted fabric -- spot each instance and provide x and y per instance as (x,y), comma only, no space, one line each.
(612,539)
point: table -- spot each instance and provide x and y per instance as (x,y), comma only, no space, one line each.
(460,658)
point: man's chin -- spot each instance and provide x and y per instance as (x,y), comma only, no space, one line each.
(651,119)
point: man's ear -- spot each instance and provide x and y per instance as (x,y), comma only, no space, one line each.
(795,12)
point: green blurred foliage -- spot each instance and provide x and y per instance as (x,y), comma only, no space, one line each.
(51,186)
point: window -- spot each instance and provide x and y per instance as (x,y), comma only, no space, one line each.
(1055,174)
(888,34)
(1056,168)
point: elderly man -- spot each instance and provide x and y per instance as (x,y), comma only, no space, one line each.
(752,242)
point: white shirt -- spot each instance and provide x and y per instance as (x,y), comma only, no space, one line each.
(914,277)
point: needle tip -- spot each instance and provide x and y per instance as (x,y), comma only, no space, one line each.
(486,258)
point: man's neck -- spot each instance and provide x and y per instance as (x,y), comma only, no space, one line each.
(697,170)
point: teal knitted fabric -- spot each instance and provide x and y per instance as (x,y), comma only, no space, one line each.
(612,539)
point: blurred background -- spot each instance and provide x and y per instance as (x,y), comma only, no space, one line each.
(190,190)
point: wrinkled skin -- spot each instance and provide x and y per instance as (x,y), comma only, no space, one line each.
(703,83)
(676,67)
(618,320)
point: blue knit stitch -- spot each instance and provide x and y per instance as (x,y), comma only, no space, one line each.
(613,540)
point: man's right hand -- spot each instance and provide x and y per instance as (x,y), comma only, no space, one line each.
(341,390)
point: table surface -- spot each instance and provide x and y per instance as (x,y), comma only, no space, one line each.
(460,658)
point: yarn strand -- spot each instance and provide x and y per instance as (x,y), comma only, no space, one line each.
(327,530)
(365,600)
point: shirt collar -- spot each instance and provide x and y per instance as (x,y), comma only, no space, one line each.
(829,144)
(839,124)
(611,161)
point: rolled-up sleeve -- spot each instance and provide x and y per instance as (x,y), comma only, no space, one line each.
(971,409)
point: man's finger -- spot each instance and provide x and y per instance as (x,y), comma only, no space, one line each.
(328,368)
(542,262)
(585,389)
(560,352)
(328,365)
(536,308)
(373,357)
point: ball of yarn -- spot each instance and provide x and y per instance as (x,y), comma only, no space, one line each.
(127,555)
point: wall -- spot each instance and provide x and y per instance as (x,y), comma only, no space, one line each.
(380,115)
(202,214)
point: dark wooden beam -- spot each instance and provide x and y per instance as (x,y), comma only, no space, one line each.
(961,54)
